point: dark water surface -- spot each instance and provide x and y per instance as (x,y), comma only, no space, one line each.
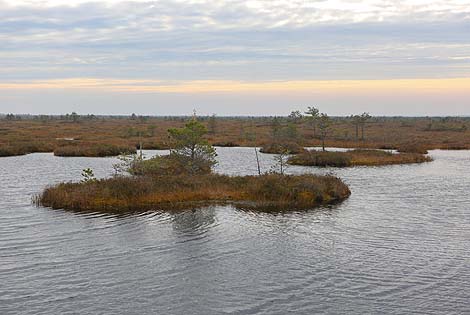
(399,245)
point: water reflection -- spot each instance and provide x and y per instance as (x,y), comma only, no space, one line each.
(398,245)
(194,221)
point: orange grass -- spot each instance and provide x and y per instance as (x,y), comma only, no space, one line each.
(47,134)
(141,193)
(356,158)
(275,148)
(96,150)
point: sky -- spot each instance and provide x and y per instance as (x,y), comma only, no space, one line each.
(255,57)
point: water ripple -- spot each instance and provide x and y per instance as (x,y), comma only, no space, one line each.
(399,245)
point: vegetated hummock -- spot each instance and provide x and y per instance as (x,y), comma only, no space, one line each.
(141,193)
(12,151)
(95,150)
(22,149)
(278,148)
(358,157)
(412,148)
(28,134)
(184,179)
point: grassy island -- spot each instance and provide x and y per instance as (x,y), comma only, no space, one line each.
(276,148)
(96,150)
(136,193)
(184,179)
(356,158)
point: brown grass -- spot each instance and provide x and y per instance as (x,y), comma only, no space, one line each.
(393,133)
(97,150)
(412,148)
(122,194)
(275,148)
(356,158)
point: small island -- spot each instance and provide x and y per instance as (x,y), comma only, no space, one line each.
(93,150)
(358,157)
(184,179)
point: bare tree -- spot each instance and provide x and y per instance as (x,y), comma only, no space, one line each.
(257,161)
(280,161)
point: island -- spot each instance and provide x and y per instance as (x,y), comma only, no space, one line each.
(184,179)
(358,157)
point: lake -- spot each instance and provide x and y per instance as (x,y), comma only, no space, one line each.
(399,245)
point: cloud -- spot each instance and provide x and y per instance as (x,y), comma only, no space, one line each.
(212,86)
(192,44)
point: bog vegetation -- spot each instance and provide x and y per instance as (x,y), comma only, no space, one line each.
(359,157)
(184,179)
(27,134)
(137,193)
(93,150)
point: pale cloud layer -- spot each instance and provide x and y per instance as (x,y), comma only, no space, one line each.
(227,43)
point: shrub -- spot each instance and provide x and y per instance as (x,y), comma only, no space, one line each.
(190,149)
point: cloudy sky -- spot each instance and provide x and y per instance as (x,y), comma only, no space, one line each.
(263,57)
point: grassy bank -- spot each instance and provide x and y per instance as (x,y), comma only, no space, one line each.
(97,150)
(12,151)
(356,158)
(24,148)
(135,193)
